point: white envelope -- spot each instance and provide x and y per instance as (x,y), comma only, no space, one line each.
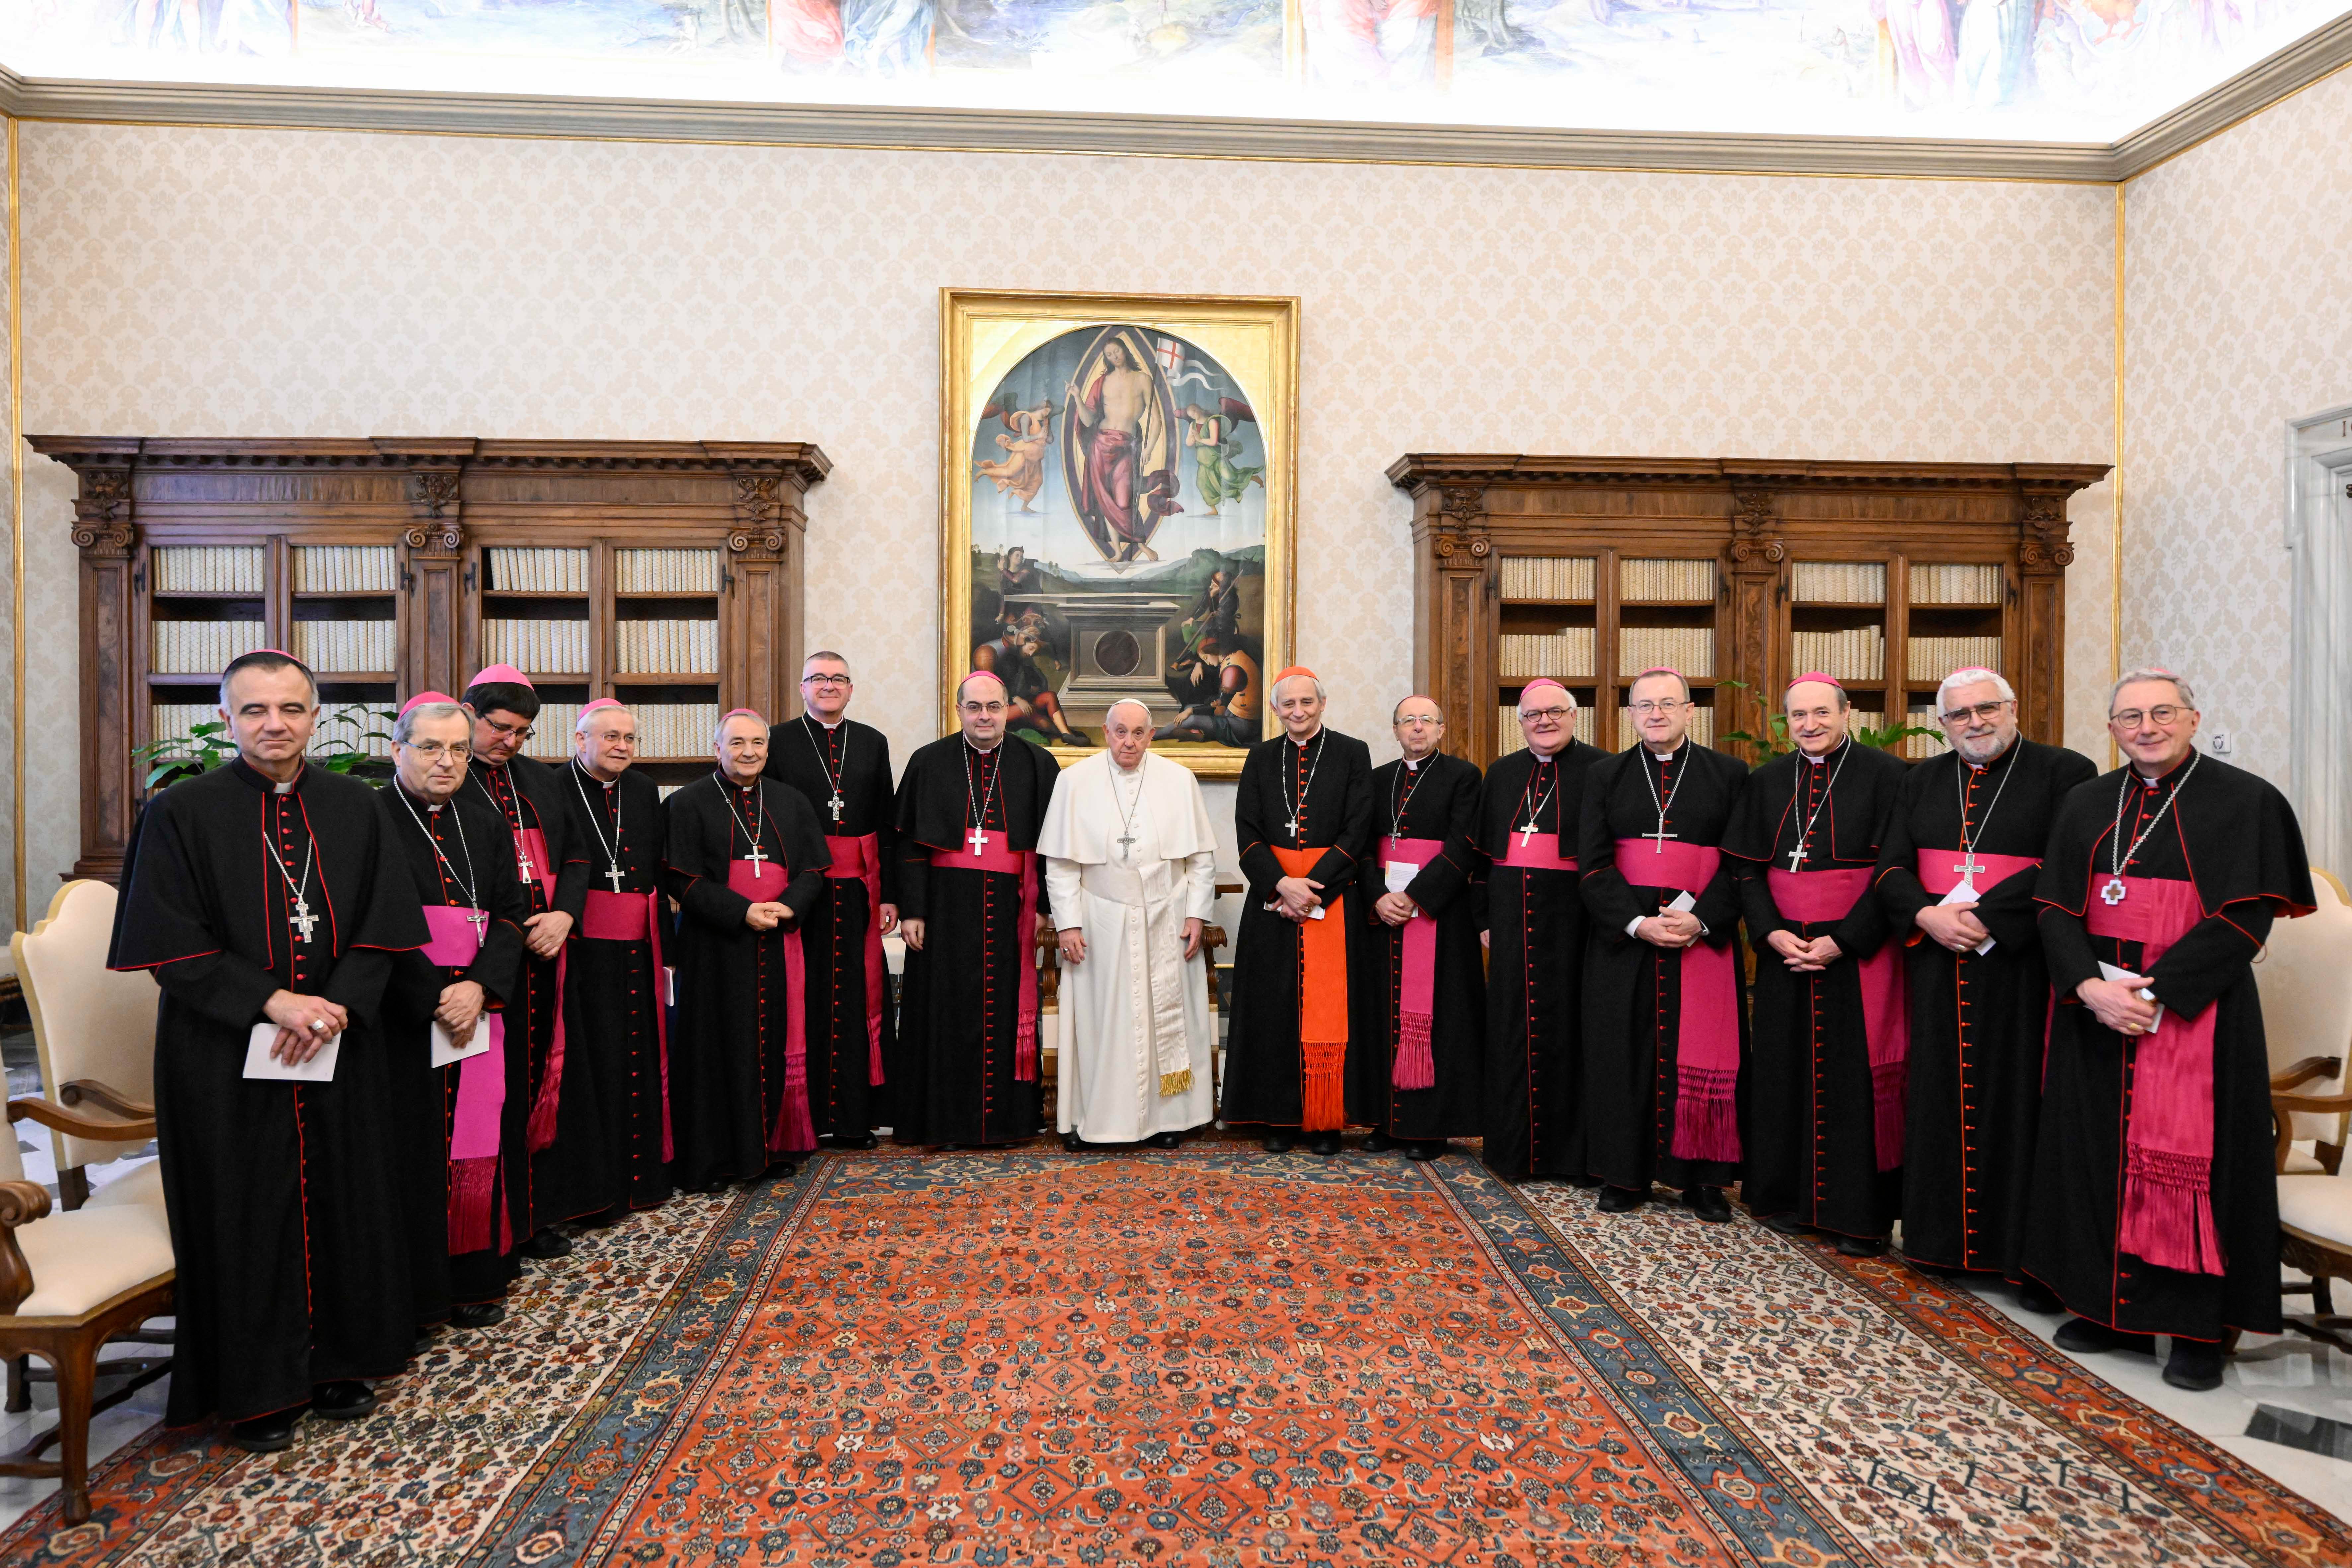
(259,1063)
(1400,874)
(446,1052)
(2138,981)
(1964,894)
(1683,903)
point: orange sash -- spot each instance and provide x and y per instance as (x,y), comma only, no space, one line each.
(1322,1004)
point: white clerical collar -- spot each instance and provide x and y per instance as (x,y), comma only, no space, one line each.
(1666,756)
(1412,765)
(983,751)
(1302,745)
(835,723)
(1134,772)
(286,788)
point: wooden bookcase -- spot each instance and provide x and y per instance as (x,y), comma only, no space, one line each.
(1735,570)
(396,563)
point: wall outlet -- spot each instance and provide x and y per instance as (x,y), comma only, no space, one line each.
(2221,742)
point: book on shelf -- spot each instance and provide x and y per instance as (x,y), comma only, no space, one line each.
(667,647)
(1859,654)
(1563,655)
(550,732)
(676,729)
(1690,649)
(209,568)
(1837,582)
(1655,580)
(536,646)
(665,570)
(344,569)
(204,647)
(1956,583)
(1934,745)
(538,570)
(1546,577)
(174,720)
(336,648)
(1932,659)
(343,725)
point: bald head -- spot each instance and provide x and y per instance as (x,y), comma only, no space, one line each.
(1420,725)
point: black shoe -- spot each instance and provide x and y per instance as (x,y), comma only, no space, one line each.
(2035,1296)
(1165,1139)
(1276,1143)
(782,1171)
(709,1189)
(868,1141)
(270,1434)
(1862,1246)
(1425,1149)
(1071,1143)
(1587,1182)
(546,1244)
(1379,1142)
(348,1400)
(424,1343)
(1326,1145)
(1785,1224)
(1621,1200)
(949,1148)
(1708,1203)
(2194,1364)
(2083,1337)
(478,1314)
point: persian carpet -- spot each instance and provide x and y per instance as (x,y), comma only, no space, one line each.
(1208,1356)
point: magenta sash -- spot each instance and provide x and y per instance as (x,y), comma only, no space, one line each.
(542,1132)
(1011,863)
(860,859)
(1818,898)
(1940,870)
(636,916)
(792,1131)
(2167,1206)
(1417,995)
(481,1096)
(1539,853)
(1706,1038)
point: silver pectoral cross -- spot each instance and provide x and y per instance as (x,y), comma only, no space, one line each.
(1526,831)
(522,863)
(1293,827)
(978,838)
(301,919)
(1969,867)
(1661,836)
(758,858)
(2113,893)
(1125,841)
(613,874)
(480,921)
(834,806)
(1797,855)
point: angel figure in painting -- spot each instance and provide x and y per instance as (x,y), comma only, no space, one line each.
(1021,471)
(1213,445)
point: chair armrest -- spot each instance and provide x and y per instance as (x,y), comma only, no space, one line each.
(1212,938)
(2304,1071)
(57,1119)
(2315,1104)
(21,1203)
(73,1091)
(2283,1106)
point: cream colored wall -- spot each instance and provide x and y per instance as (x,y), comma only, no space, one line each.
(236,282)
(2238,320)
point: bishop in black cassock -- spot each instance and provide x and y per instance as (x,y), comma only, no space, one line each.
(1665,1027)
(739,844)
(248,897)
(570,1174)
(467,1190)
(1528,819)
(967,813)
(616,1011)
(1823,1135)
(1416,1065)
(843,769)
(1303,811)
(2154,1209)
(1976,818)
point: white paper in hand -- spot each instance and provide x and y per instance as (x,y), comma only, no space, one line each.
(2138,982)
(259,1063)
(1400,874)
(1683,903)
(1964,894)
(446,1052)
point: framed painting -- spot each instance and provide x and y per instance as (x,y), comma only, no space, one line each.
(1117,476)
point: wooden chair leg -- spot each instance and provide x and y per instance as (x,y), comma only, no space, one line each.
(73,1187)
(76,1368)
(2323,1305)
(20,1389)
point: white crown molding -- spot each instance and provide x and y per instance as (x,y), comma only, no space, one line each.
(972,130)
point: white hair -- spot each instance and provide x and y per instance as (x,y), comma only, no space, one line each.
(1975,675)
(2132,677)
(1316,680)
(719,735)
(1563,690)
(1128,702)
(580,725)
(405,725)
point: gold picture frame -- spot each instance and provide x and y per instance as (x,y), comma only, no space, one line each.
(1125,466)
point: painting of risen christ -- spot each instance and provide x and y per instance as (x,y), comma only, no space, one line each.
(1120,458)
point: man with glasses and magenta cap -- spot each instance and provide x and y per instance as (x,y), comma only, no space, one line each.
(1529,814)
(1957,872)
(2154,1209)
(843,769)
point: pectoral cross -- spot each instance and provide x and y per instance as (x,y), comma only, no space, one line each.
(1797,855)
(758,858)
(480,921)
(834,806)
(1969,867)
(977,838)
(301,919)
(1526,830)
(613,874)
(2112,894)
(1293,825)
(1661,836)
(523,864)
(1125,840)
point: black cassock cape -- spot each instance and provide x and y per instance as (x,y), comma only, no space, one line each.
(2235,837)
(1535,1112)
(291,1267)
(569,1173)
(952,1079)
(1978,1021)
(846,1041)
(616,991)
(1265,1065)
(481,853)
(1810,1133)
(1633,989)
(1437,802)
(732,1088)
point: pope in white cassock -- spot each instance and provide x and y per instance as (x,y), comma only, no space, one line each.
(1130,874)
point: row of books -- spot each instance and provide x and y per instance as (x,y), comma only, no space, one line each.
(1926,745)
(537,570)
(1856,655)
(202,648)
(1955,583)
(1690,649)
(173,720)
(334,647)
(345,569)
(674,728)
(1665,580)
(1565,655)
(1837,582)
(665,570)
(1932,659)
(343,726)
(550,732)
(663,648)
(210,568)
(550,646)
(1509,739)
(1526,577)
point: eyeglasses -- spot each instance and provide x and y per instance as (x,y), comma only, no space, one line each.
(1983,713)
(512,731)
(824,681)
(433,751)
(2163,718)
(1544,715)
(1645,708)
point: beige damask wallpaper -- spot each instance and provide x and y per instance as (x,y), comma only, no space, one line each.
(187,282)
(2238,320)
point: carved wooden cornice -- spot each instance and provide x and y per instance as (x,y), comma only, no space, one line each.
(1420,474)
